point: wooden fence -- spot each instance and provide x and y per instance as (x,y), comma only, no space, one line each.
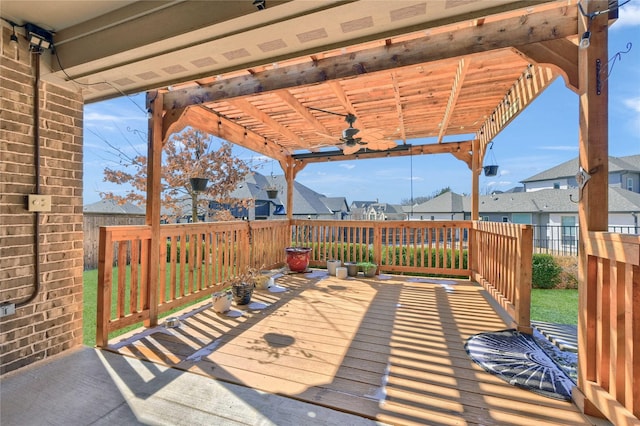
(197,259)
(424,247)
(91,224)
(610,321)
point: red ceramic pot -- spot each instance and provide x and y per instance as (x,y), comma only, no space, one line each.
(298,258)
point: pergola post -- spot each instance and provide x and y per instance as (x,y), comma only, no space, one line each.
(475,179)
(593,158)
(152,219)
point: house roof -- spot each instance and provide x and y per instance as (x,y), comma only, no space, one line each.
(543,201)
(335,204)
(568,169)
(109,206)
(305,200)
(447,202)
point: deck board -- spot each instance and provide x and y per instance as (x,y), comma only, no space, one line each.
(390,349)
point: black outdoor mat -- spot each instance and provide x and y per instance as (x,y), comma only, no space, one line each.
(517,359)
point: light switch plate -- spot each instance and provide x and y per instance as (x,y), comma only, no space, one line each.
(39,203)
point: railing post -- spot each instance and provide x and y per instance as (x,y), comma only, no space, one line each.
(377,245)
(105,278)
(523,280)
(472,250)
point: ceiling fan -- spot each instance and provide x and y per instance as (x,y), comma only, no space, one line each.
(373,138)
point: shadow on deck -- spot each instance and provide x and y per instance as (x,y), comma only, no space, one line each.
(389,349)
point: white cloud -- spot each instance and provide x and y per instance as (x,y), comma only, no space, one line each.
(628,16)
(634,105)
(347,166)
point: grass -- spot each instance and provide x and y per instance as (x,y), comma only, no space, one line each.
(558,306)
(90,302)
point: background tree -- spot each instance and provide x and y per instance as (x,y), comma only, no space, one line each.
(425,198)
(185,155)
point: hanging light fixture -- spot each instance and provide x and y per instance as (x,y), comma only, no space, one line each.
(13,40)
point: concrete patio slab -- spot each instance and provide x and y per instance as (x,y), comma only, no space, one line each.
(89,386)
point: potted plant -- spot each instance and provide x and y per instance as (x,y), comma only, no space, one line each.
(369,269)
(242,286)
(272,192)
(298,258)
(332,264)
(352,268)
(221,300)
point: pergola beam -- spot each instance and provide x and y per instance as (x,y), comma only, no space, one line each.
(208,121)
(461,150)
(458,82)
(528,87)
(515,30)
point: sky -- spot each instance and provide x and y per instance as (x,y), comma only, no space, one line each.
(543,136)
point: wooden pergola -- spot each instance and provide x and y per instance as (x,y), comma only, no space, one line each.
(457,85)
(453,82)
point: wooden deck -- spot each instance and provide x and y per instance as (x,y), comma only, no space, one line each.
(388,348)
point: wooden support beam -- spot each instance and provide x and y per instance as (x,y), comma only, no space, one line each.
(208,121)
(291,100)
(524,91)
(396,91)
(476,166)
(154,190)
(560,54)
(461,150)
(248,108)
(515,30)
(458,81)
(593,205)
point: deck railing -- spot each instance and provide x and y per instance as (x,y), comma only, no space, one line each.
(425,247)
(610,350)
(196,259)
(502,263)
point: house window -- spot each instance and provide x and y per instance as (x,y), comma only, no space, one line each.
(630,184)
(485,218)
(569,230)
(556,185)
(433,218)
(523,218)
(505,219)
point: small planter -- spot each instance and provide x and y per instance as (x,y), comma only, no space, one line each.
(332,264)
(199,184)
(490,170)
(222,301)
(298,258)
(272,193)
(352,269)
(368,269)
(242,293)
(341,272)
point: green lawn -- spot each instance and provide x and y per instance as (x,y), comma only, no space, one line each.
(90,279)
(559,306)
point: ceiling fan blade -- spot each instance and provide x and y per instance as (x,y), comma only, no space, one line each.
(347,150)
(381,144)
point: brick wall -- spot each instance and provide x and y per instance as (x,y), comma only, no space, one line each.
(52,322)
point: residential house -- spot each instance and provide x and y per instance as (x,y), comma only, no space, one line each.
(307,203)
(624,172)
(375,210)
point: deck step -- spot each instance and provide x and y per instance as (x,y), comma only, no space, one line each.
(564,336)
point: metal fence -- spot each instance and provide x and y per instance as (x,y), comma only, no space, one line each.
(563,240)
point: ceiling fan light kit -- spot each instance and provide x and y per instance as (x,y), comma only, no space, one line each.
(374,138)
